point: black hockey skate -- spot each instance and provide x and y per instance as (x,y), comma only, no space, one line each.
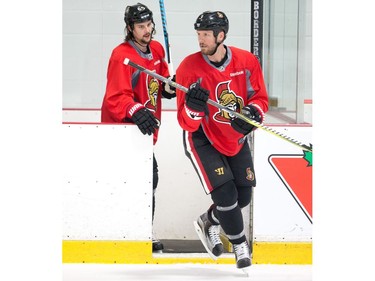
(242,254)
(209,234)
(157,246)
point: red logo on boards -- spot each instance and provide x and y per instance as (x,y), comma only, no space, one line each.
(295,171)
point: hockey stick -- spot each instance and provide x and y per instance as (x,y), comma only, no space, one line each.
(222,107)
(166,38)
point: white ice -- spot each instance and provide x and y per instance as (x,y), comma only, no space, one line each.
(186,271)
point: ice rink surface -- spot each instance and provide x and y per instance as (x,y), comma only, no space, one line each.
(194,272)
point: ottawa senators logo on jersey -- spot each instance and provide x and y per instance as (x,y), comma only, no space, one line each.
(152,90)
(226,97)
(249,174)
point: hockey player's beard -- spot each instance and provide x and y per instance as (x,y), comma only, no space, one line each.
(208,51)
(146,41)
(143,42)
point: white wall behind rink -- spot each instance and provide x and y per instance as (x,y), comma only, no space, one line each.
(180,197)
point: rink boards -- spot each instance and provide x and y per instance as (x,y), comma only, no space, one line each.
(107,195)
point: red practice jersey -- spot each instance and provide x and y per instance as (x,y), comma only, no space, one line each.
(237,83)
(127,86)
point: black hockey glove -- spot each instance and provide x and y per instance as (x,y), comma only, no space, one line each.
(145,121)
(244,127)
(196,98)
(169,92)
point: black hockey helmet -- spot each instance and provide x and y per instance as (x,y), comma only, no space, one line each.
(216,21)
(137,13)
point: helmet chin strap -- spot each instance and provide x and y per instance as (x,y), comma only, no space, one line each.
(217,46)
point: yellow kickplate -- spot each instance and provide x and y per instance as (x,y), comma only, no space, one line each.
(106,251)
(140,252)
(282,253)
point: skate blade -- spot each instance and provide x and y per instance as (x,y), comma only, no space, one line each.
(203,240)
(246,271)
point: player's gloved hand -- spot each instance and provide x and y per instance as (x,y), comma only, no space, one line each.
(145,120)
(169,91)
(196,99)
(252,112)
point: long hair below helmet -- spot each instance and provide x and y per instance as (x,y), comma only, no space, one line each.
(137,13)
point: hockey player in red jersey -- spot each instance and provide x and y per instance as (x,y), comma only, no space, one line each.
(212,137)
(132,96)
